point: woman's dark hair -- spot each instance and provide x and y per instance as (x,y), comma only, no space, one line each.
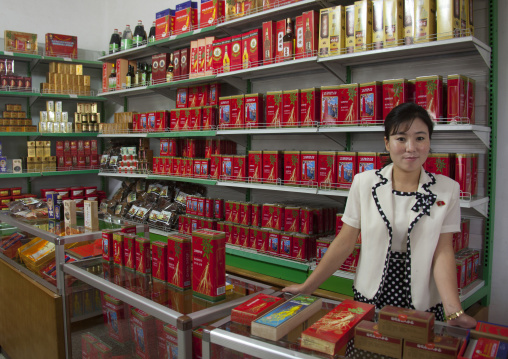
(405,114)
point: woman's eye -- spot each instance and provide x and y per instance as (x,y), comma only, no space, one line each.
(400,139)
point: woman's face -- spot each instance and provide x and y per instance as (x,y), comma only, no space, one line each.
(409,147)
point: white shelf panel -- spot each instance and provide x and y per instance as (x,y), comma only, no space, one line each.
(124,175)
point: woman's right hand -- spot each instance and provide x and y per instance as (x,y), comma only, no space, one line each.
(297,289)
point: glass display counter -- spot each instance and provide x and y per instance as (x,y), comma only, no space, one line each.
(145,317)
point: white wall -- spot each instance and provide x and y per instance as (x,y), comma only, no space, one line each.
(498,303)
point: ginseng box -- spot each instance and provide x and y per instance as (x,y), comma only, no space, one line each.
(292,175)
(215,166)
(209,264)
(310,105)
(186,16)
(308,161)
(245,213)
(409,21)
(347,166)
(442,347)
(368,338)
(61,45)
(306,220)
(209,114)
(252,49)
(179,260)
(254,111)
(327,169)
(363,25)
(219,48)
(184,63)
(210,12)
(410,324)
(159,260)
(378,29)
(262,239)
(425,21)
(255,159)
(395,92)
(366,161)
(292,219)
(299,44)
(286,241)
(237,112)
(280,29)
(252,309)
(107,244)
(274,108)
(448,19)
(371,103)
(240,165)
(236,52)
(349,104)
(299,249)
(429,95)
(457,98)
(129,250)
(208,65)
(350,28)
(393,22)
(182,97)
(463,171)
(164,23)
(310,32)
(269,42)
(325,337)
(471,86)
(329,105)
(291,108)
(227,168)
(440,163)
(143,256)
(118,248)
(224,112)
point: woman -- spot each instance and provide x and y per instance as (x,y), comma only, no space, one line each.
(407,218)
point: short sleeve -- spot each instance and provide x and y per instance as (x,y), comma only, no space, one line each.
(352,212)
(451,222)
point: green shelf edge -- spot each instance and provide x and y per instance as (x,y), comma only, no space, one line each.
(78,61)
(181,36)
(22,134)
(68,97)
(269,259)
(62,173)
(483,292)
(182,134)
(338,285)
(183,179)
(21,55)
(182,82)
(19,175)
(19,94)
(72,134)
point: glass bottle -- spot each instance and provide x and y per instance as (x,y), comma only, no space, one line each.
(170,70)
(226,61)
(139,34)
(151,35)
(128,77)
(139,73)
(149,74)
(127,38)
(288,41)
(245,56)
(115,42)
(112,79)
(267,46)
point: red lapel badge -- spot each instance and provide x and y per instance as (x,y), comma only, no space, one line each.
(440,203)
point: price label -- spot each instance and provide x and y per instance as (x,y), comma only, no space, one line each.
(172,37)
(8,53)
(67,59)
(73,96)
(197,31)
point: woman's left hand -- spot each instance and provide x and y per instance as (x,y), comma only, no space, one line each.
(463,321)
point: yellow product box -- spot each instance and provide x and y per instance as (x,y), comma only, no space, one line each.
(377,24)
(324,32)
(93,107)
(363,25)
(337,29)
(448,19)
(39,143)
(51,116)
(31,151)
(16,41)
(350,28)
(30,144)
(393,12)
(47,151)
(79,69)
(50,106)
(470,18)
(51,77)
(60,67)
(53,67)
(425,21)
(86,80)
(43,127)
(409,21)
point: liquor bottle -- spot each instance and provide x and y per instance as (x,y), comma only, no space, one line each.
(170,70)
(267,47)
(226,61)
(127,38)
(115,42)
(149,74)
(144,75)
(139,73)
(288,41)
(245,56)
(334,39)
(129,76)
(59,210)
(139,34)
(112,79)
(308,38)
(151,36)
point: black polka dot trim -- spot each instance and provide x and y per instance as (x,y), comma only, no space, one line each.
(399,193)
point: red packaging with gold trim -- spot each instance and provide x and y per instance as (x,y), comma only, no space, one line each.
(371,103)
(429,95)
(366,161)
(292,168)
(159,260)
(254,111)
(227,168)
(309,160)
(143,256)
(129,250)
(256,214)
(236,52)
(349,104)
(209,118)
(240,165)
(463,172)
(310,106)
(215,166)
(368,338)
(299,246)
(457,98)
(410,324)
(395,92)
(285,245)
(329,106)
(269,42)
(273,242)
(306,220)
(218,210)
(272,166)
(327,169)
(243,236)
(440,163)
(224,113)
(255,160)
(292,219)
(118,248)
(262,239)
(291,108)
(274,108)
(179,260)
(347,166)
(245,213)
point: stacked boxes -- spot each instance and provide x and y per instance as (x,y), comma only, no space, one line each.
(76,154)
(14,120)
(54,120)
(39,157)
(65,78)
(8,79)
(87,118)
(122,123)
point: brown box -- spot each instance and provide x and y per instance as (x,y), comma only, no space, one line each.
(440,348)
(410,324)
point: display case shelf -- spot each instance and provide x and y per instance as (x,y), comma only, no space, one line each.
(19,93)
(134,53)
(71,172)
(71,134)
(20,175)
(19,134)
(34,59)
(183,179)
(182,134)
(122,135)
(125,175)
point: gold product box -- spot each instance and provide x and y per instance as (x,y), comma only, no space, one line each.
(86,80)
(53,67)
(43,127)
(425,21)
(93,107)
(409,21)
(43,117)
(337,22)
(350,28)
(363,25)
(393,12)
(58,116)
(50,106)
(39,143)
(88,108)
(58,106)
(51,116)
(79,70)
(324,32)
(448,18)
(80,108)
(30,144)
(31,150)
(377,24)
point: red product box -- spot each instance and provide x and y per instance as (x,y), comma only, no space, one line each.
(205,168)
(256,214)
(351,261)
(224,112)
(366,161)
(237,112)
(236,52)
(429,95)
(292,168)
(209,264)
(210,12)
(272,166)
(186,17)
(210,147)
(184,63)
(245,214)
(200,207)
(471,87)
(274,108)
(177,68)
(474,174)
(299,248)
(216,166)
(143,122)
(164,21)
(311,24)
(308,160)
(164,147)
(129,250)
(213,94)
(118,248)
(208,211)
(179,260)
(330,105)
(280,31)
(262,239)
(227,168)
(208,70)
(255,160)
(235,212)
(144,330)
(310,105)
(221,61)
(240,165)
(182,97)
(254,111)
(189,167)
(243,236)
(463,172)
(327,169)
(59,148)
(273,242)
(251,52)
(457,98)
(166,166)
(159,260)
(194,62)
(285,244)
(291,108)
(347,167)
(460,264)
(440,163)
(292,219)
(349,104)
(234,234)
(143,255)
(322,245)
(161,121)
(116,320)
(107,244)
(395,92)
(254,308)
(87,147)
(269,42)
(371,103)
(306,220)
(106,72)
(201,58)
(196,119)
(228,210)
(209,118)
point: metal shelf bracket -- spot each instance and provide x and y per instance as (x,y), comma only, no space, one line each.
(336,69)
(236,82)
(483,136)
